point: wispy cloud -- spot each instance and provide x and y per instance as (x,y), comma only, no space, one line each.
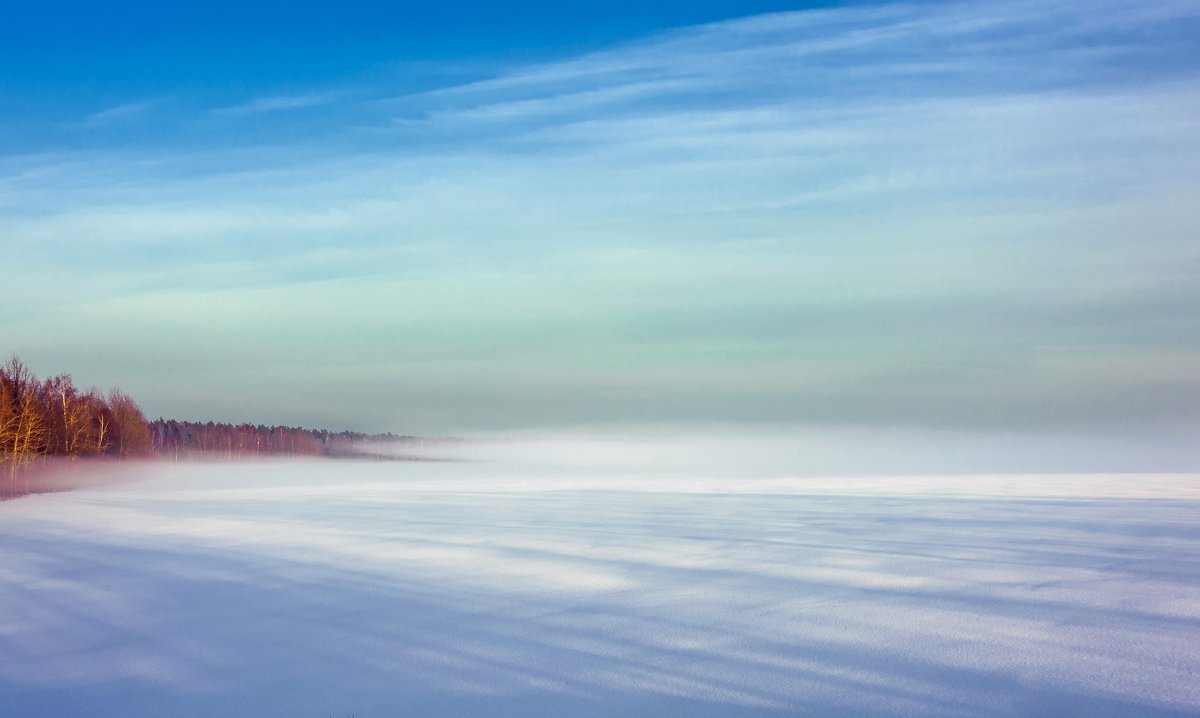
(572,102)
(835,58)
(279,103)
(116,114)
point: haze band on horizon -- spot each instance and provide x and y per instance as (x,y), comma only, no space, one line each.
(892,219)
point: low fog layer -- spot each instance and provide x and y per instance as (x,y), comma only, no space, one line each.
(741,452)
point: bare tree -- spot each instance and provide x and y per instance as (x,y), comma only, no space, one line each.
(22,424)
(131,432)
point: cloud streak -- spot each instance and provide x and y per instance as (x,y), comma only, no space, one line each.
(115,115)
(278,103)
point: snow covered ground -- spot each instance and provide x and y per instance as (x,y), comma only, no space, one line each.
(513,588)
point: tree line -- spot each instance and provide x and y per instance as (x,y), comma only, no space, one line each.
(51,417)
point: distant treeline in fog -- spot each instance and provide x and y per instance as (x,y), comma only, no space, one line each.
(51,417)
(184,439)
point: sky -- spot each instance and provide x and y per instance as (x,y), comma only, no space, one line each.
(971,217)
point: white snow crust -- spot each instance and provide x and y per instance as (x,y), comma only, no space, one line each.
(503,588)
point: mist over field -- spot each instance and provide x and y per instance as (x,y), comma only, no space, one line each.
(599,578)
(743,452)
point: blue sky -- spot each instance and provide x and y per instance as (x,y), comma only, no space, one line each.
(66,55)
(971,216)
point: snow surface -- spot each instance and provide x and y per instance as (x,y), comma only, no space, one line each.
(510,588)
